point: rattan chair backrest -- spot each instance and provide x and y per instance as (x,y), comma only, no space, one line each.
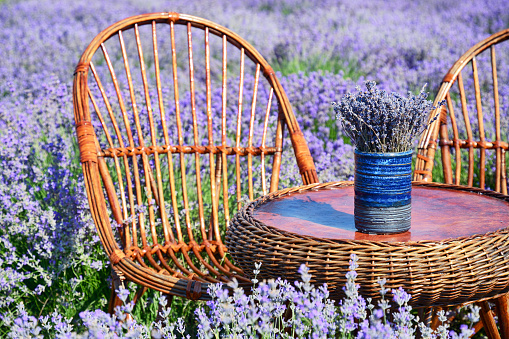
(472,129)
(178,120)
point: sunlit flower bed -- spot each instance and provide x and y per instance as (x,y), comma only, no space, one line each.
(53,273)
(273,309)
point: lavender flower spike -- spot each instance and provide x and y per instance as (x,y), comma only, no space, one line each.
(379,122)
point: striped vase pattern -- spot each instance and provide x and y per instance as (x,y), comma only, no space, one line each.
(383,184)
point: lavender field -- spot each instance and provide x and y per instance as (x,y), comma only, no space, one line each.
(53,273)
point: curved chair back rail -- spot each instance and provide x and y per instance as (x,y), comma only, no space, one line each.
(178,120)
(473,145)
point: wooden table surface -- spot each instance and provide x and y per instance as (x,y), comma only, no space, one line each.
(436,215)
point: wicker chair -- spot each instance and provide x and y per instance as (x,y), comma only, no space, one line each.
(461,135)
(173,136)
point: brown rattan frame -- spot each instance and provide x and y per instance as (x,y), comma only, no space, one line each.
(170,264)
(438,135)
(441,128)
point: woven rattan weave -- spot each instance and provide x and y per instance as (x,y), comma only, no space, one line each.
(178,120)
(447,271)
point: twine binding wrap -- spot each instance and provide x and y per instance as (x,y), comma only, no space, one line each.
(383,184)
(86,136)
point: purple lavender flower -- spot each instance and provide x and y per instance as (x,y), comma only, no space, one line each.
(379,122)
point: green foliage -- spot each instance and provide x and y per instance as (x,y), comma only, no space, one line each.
(318,63)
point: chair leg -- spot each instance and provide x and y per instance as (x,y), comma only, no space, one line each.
(116,281)
(477,327)
(139,293)
(502,305)
(490,327)
(435,322)
(169,299)
(114,300)
(287,316)
(425,315)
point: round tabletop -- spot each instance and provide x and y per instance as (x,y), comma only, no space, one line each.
(437,214)
(457,249)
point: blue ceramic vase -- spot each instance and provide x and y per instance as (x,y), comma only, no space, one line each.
(383,184)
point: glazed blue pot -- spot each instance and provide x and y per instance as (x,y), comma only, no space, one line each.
(383,184)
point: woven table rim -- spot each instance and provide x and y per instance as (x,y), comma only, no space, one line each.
(249,209)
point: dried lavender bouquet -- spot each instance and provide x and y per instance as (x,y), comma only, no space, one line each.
(381,122)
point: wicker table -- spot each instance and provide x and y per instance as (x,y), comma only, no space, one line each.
(455,252)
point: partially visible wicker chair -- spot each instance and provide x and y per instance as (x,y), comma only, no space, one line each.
(178,119)
(474,120)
